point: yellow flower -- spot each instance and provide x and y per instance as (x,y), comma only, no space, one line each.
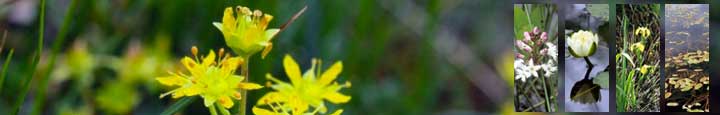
(303,91)
(582,43)
(645,68)
(215,81)
(638,47)
(643,31)
(247,33)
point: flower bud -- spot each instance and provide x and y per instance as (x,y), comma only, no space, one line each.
(519,43)
(519,55)
(527,35)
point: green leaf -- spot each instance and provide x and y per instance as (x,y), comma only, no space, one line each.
(627,56)
(602,79)
(177,106)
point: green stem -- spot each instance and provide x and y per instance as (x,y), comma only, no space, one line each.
(36,59)
(547,99)
(212,110)
(245,73)
(40,100)
(222,110)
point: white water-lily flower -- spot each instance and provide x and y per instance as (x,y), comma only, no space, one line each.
(582,43)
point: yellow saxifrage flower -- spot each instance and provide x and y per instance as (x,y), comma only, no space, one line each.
(303,91)
(643,31)
(215,81)
(247,32)
(582,43)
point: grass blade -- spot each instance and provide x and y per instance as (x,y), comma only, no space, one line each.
(59,39)
(36,59)
(180,104)
(4,70)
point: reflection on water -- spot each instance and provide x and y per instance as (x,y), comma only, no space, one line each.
(686,28)
(687,58)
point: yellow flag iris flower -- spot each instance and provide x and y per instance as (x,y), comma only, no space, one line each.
(643,31)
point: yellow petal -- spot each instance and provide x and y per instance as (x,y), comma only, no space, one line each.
(337,98)
(292,69)
(231,64)
(187,91)
(209,59)
(172,80)
(267,49)
(249,86)
(228,22)
(225,101)
(337,112)
(329,75)
(270,97)
(260,111)
(189,63)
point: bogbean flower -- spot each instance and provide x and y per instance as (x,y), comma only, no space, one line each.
(246,31)
(303,91)
(582,43)
(643,32)
(552,52)
(213,78)
(536,49)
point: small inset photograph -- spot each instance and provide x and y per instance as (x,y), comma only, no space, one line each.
(687,59)
(586,57)
(535,66)
(637,44)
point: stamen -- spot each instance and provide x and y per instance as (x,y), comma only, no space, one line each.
(237,95)
(194,50)
(222,51)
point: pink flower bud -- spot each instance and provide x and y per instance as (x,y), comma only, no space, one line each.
(520,56)
(527,36)
(543,51)
(543,36)
(527,48)
(519,43)
(536,30)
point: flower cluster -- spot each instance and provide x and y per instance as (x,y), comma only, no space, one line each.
(533,49)
(303,91)
(246,33)
(215,81)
